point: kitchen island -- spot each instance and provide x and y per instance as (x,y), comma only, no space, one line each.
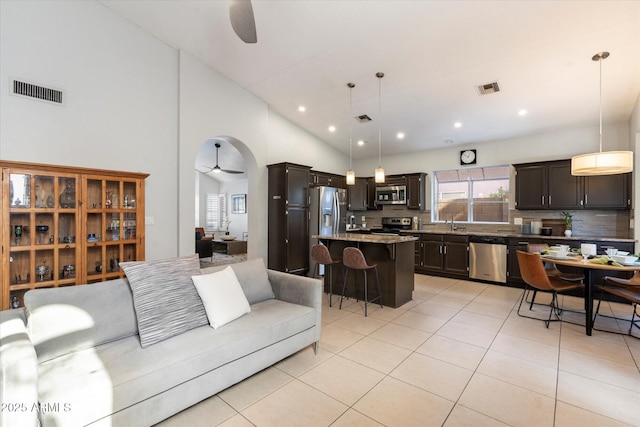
(394,256)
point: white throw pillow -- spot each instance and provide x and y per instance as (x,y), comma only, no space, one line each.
(222,296)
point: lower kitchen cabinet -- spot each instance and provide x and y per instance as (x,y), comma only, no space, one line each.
(442,254)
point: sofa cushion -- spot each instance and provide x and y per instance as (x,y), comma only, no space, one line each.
(222,296)
(253,278)
(103,380)
(165,300)
(62,320)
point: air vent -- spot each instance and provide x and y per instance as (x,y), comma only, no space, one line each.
(488,88)
(31,90)
(363,118)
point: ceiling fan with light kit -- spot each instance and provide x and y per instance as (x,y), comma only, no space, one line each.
(217,168)
(242,20)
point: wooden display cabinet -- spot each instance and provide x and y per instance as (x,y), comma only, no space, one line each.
(49,215)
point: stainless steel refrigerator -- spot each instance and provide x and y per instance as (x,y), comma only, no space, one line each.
(328,216)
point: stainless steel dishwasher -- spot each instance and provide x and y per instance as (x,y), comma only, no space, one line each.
(488,258)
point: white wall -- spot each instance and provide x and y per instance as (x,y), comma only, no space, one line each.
(239,222)
(120,91)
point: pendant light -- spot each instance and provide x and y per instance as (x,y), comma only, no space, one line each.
(379,172)
(351,175)
(609,162)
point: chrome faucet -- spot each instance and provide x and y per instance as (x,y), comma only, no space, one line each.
(453,224)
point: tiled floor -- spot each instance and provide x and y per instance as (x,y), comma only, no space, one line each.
(457,355)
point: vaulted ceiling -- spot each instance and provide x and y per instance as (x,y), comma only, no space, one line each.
(434,55)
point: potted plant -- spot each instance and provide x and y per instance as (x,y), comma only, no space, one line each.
(568,222)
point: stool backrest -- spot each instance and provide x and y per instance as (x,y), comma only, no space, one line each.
(354,258)
(320,254)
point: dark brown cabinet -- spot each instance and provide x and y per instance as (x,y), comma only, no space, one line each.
(318,179)
(442,254)
(357,195)
(288,216)
(416,191)
(550,185)
(371,195)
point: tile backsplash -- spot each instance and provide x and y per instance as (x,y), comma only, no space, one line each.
(587,223)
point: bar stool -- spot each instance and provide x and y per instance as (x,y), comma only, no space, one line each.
(320,255)
(353,259)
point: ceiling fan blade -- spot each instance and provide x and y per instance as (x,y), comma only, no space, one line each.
(231,171)
(242,21)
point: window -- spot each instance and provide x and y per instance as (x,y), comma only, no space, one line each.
(471,195)
(216,211)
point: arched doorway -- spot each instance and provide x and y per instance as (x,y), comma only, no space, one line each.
(224,167)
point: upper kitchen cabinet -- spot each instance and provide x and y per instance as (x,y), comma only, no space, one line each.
(416,191)
(550,185)
(288,217)
(357,195)
(324,179)
(372,205)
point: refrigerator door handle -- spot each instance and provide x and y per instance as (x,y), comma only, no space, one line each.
(336,213)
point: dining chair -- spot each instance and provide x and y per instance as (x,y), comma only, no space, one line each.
(551,269)
(320,255)
(535,276)
(628,289)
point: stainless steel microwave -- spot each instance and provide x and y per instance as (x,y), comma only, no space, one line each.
(391,195)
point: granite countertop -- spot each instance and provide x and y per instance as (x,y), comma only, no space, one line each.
(366,238)
(524,236)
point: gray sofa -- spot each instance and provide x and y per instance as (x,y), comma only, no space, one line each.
(89,368)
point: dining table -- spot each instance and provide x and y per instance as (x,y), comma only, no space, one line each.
(589,266)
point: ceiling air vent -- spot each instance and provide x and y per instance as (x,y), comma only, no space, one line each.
(31,90)
(488,88)
(363,118)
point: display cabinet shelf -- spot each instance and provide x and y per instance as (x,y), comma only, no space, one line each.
(65,226)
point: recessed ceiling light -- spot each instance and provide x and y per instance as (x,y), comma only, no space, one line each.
(522,112)
(361,142)
(400,135)
(302,108)
(332,128)
(448,141)
(457,125)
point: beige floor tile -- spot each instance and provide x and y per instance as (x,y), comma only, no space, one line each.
(453,351)
(401,336)
(500,311)
(359,324)
(335,339)
(395,403)
(634,347)
(507,403)
(605,399)
(387,314)
(572,416)
(526,349)
(331,314)
(303,360)
(464,290)
(461,416)
(520,372)
(433,375)
(436,310)
(477,320)
(532,330)
(342,379)
(236,421)
(602,345)
(353,418)
(254,388)
(209,412)
(469,334)
(297,403)
(419,321)
(601,370)
(376,354)
(448,300)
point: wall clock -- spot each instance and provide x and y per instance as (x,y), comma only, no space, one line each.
(468,157)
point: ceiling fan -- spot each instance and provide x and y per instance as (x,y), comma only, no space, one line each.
(217,168)
(242,21)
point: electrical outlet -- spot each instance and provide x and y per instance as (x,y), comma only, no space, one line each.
(149,220)
(517,221)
